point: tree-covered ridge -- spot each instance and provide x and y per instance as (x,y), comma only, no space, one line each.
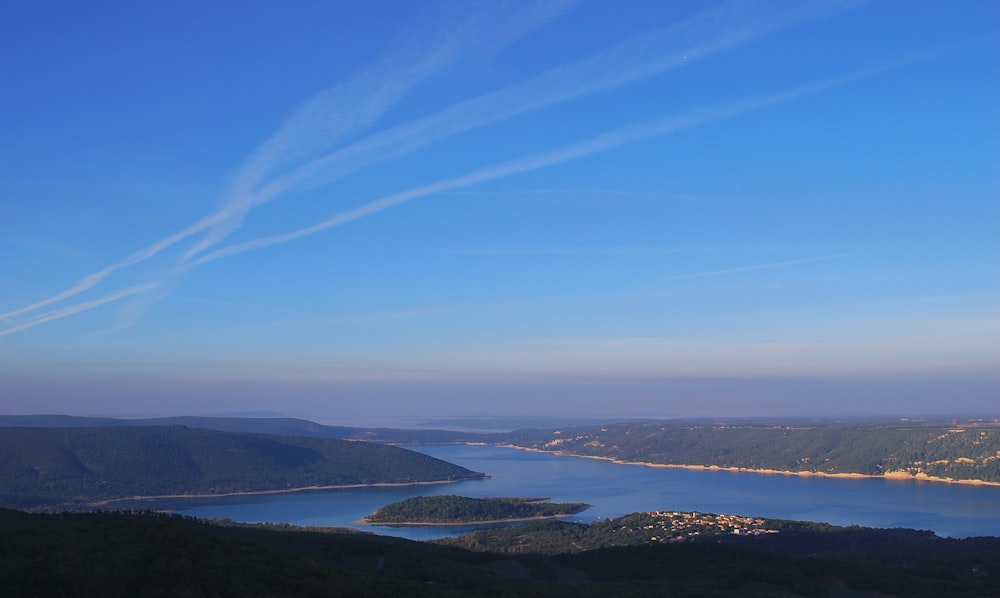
(635,529)
(154,554)
(278,426)
(970,452)
(460,509)
(48,466)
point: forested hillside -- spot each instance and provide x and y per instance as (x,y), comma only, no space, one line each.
(50,466)
(968,452)
(280,426)
(151,554)
(461,509)
(673,527)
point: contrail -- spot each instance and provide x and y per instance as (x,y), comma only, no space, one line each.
(730,26)
(383,88)
(79,307)
(727,27)
(89,281)
(601,143)
(324,119)
(755,267)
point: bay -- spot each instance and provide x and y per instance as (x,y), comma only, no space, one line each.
(954,510)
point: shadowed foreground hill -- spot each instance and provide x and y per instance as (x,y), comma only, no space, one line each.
(151,554)
(58,466)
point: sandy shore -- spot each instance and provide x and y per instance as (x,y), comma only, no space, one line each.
(100,503)
(892,475)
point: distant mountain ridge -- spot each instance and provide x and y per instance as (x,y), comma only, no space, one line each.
(80,465)
(281,426)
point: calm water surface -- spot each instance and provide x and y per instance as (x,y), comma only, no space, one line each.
(613,490)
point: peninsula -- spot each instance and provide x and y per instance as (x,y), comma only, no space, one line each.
(82,467)
(954,452)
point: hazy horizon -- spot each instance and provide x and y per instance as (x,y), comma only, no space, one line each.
(422,210)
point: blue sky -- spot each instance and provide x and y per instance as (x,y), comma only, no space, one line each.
(456,208)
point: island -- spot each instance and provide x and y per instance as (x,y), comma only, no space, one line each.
(457,510)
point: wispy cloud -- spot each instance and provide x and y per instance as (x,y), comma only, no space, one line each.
(726,27)
(601,143)
(731,25)
(328,117)
(79,307)
(765,266)
(320,122)
(90,281)
(331,116)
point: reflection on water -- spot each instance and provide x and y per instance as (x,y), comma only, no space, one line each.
(614,490)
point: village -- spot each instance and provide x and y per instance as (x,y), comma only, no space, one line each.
(676,526)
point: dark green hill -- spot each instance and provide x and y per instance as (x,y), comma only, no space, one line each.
(461,509)
(48,466)
(150,554)
(969,451)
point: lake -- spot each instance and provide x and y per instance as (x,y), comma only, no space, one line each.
(613,490)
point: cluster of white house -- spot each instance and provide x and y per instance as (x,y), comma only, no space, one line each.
(676,526)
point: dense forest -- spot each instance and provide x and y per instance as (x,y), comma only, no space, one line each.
(637,529)
(967,452)
(460,509)
(153,554)
(63,466)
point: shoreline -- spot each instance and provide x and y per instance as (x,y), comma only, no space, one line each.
(364,521)
(891,475)
(107,501)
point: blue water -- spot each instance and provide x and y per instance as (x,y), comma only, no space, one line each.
(947,509)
